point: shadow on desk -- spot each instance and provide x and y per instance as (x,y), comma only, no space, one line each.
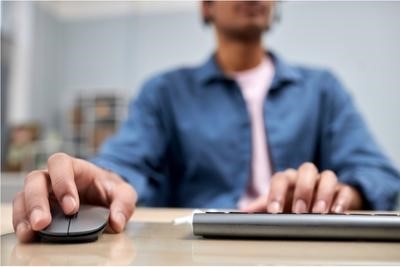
(166,244)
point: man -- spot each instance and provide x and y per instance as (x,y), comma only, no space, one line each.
(244,130)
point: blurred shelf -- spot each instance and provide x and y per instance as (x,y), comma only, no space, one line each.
(92,119)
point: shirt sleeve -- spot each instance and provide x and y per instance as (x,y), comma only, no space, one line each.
(137,151)
(349,149)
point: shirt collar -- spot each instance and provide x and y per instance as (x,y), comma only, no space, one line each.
(284,73)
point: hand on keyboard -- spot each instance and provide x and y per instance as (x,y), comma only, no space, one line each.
(306,190)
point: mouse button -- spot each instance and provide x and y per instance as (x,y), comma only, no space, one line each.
(89,219)
(58,226)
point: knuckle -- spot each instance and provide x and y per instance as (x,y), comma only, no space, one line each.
(291,175)
(328,174)
(31,176)
(278,180)
(290,171)
(305,189)
(131,193)
(278,175)
(17,197)
(57,157)
(346,189)
(135,197)
(308,166)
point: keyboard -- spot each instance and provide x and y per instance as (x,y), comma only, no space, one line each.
(345,226)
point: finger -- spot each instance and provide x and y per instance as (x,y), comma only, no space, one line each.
(98,186)
(21,224)
(261,203)
(123,200)
(258,205)
(92,182)
(343,199)
(325,192)
(304,188)
(278,190)
(36,192)
(291,174)
(61,171)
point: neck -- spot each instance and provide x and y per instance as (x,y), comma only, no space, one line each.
(239,55)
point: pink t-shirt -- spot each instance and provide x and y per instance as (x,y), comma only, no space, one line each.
(254,84)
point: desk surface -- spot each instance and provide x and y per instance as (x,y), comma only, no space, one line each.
(151,239)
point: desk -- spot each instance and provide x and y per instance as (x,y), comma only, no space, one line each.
(151,239)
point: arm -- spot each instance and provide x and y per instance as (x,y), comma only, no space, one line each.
(137,151)
(348,148)
(134,153)
(354,173)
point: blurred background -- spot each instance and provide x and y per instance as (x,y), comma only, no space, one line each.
(69,69)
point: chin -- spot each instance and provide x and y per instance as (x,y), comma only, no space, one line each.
(253,29)
(253,23)
(248,33)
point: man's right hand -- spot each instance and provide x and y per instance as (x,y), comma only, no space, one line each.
(70,181)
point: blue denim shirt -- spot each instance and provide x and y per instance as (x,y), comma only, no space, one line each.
(187,140)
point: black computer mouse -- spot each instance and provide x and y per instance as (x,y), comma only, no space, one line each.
(84,226)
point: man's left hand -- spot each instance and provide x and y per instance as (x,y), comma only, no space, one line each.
(306,190)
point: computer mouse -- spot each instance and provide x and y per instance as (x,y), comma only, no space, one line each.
(84,226)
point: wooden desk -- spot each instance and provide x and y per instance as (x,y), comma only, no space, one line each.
(151,239)
(154,215)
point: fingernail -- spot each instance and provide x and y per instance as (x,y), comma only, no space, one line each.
(320,206)
(338,209)
(300,206)
(274,207)
(36,216)
(69,204)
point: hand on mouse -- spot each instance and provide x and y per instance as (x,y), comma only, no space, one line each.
(70,181)
(306,190)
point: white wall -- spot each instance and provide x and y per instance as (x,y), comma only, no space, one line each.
(20,75)
(358,40)
(46,58)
